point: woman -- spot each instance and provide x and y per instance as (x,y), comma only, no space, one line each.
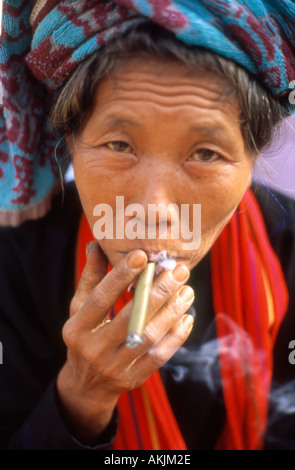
(157,121)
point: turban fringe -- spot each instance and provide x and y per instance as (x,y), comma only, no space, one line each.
(43,42)
(250,299)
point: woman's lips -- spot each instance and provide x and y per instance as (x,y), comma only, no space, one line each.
(158,255)
(162,259)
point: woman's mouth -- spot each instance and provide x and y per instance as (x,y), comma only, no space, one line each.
(163,259)
(157,255)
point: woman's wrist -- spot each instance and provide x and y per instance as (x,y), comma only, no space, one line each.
(85,417)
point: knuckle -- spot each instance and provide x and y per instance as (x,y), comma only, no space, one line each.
(74,306)
(101,300)
(69,334)
(150,334)
(89,279)
(164,288)
(158,357)
(175,309)
(90,356)
(178,334)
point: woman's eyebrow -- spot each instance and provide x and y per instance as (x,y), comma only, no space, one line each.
(210,130)
(117,121)
(223,135)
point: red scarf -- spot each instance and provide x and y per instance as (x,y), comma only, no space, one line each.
(250,299)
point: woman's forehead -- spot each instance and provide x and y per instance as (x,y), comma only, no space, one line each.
(170,83)
(143,90)
(168,77)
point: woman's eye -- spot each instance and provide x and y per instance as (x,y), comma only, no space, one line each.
(119,146)
(205,155)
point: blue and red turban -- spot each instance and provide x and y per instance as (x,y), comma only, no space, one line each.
(43,41)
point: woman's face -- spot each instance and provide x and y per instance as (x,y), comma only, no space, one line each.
(161,134)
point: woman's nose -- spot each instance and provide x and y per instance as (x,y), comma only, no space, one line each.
(154,189)
(156,195)
(156,184)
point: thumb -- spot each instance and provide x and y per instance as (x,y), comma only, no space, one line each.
(94,271)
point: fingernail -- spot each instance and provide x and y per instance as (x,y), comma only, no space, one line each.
(186,293)
(187,321)
(180,273)
(136,259)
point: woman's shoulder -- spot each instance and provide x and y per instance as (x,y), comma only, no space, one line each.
(63,215)
(278,211)
(37,256)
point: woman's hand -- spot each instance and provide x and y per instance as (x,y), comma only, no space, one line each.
(99,366)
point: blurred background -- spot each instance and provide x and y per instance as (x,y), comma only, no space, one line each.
(276,166)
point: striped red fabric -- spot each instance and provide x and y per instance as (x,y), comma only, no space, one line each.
(250,299)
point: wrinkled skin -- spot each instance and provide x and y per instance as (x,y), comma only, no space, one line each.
(157,133)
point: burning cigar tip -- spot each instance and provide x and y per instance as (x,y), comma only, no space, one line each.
(133,340)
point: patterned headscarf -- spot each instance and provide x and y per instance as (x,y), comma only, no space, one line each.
(43,42)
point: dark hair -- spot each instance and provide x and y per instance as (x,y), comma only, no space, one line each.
(260,111)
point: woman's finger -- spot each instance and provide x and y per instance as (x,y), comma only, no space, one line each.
(162,322)
(168,316)
(165,286)
(164,290)
(157,356)
(94,271)
(106,293)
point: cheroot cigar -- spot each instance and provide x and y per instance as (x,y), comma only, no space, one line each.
(140,306)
